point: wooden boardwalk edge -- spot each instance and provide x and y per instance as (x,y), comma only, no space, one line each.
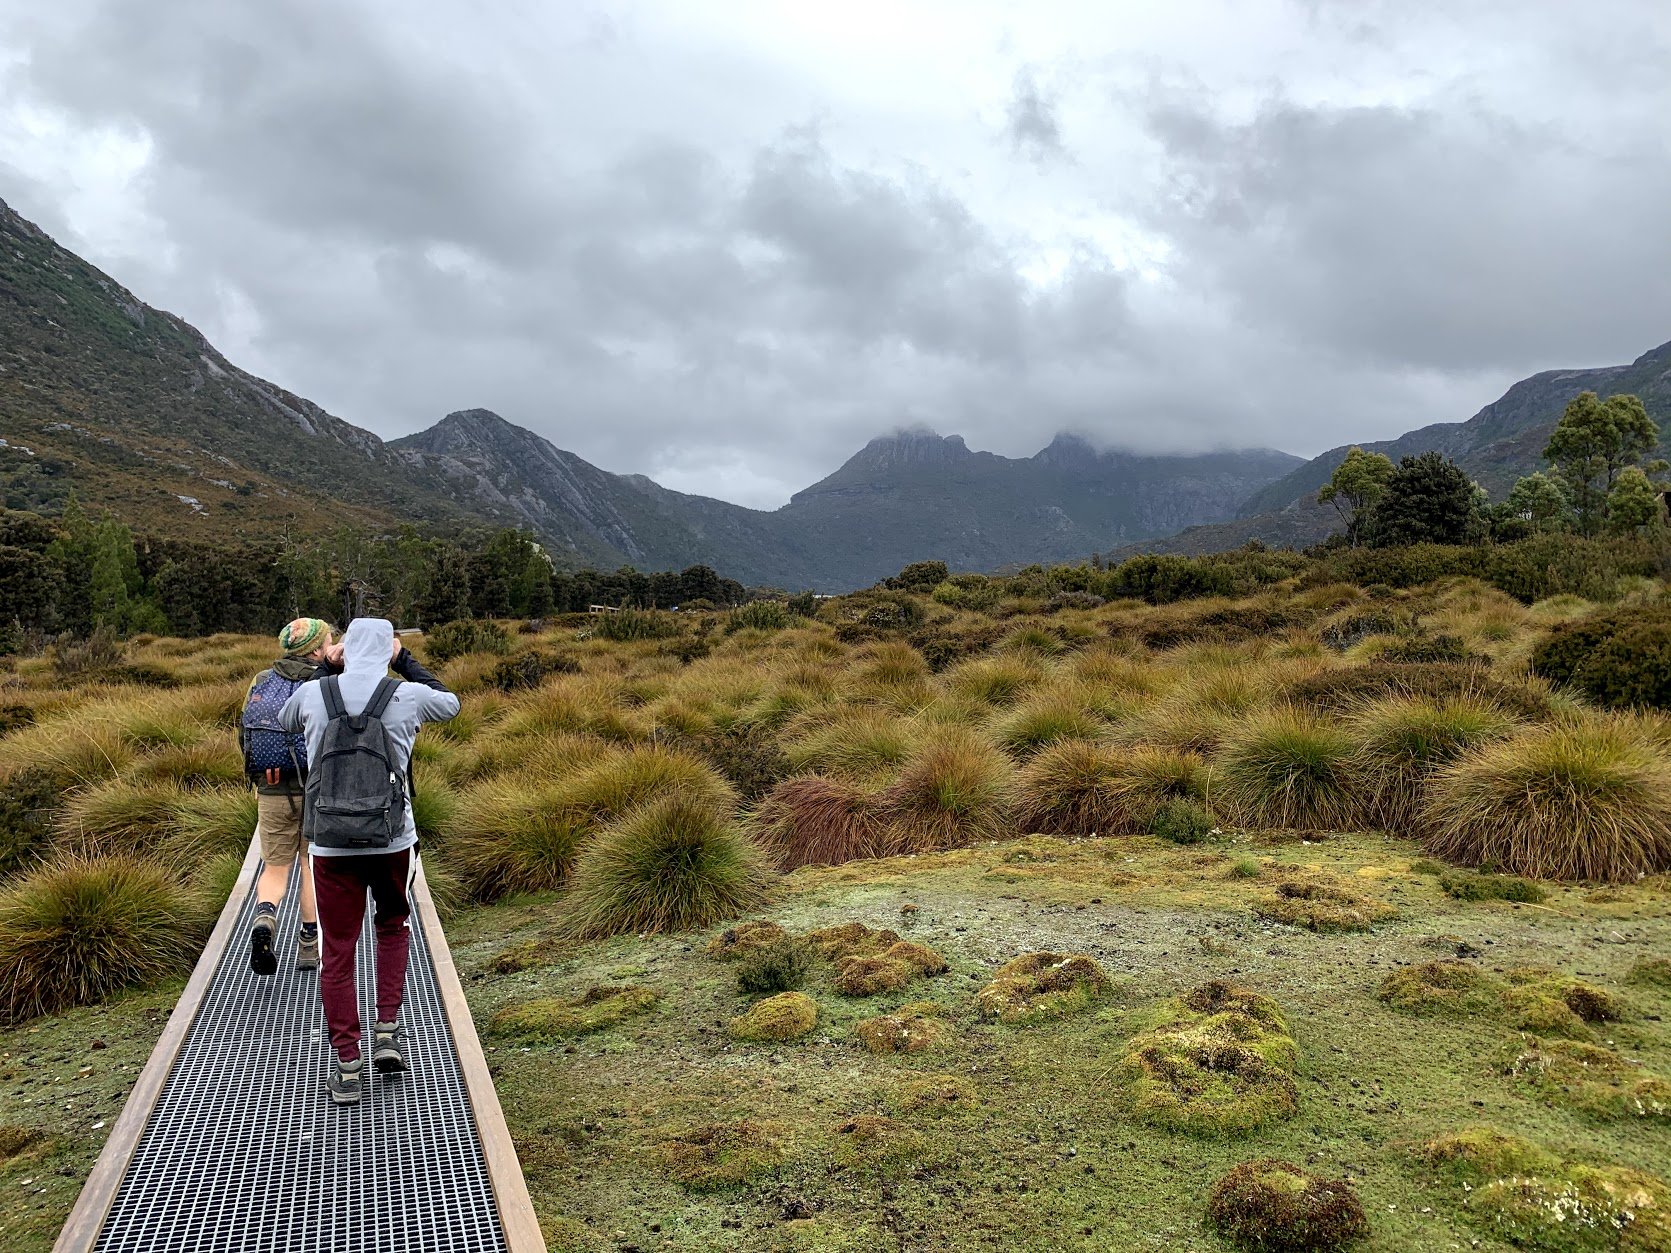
(504,1171)
(86,1220)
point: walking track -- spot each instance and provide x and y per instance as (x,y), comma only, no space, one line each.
(241,1148)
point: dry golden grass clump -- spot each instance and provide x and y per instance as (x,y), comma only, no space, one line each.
(910,1029)
(814,821)
(1044,721)
(669,865)
(1591,1078)
(1081,788)
(614,786)
(786,1016)
(1402,740)
(957,790)
(118,817)
(745,937)
(722,1155)
(1210,702)
(1040,987)
(1273,1206)
(559,1018)
(1583,800)
(76,930)
(1285,768)
(1218,1061)
(1322,904)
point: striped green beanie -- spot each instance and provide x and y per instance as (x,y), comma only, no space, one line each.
(302,636)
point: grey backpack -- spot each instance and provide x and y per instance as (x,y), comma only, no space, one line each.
(356,796)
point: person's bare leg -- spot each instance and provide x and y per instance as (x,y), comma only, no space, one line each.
(309,907)
(269,888)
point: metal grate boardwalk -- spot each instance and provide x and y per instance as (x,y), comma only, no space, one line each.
(244,1149)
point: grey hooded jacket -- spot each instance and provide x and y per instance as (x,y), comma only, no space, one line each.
(366,646)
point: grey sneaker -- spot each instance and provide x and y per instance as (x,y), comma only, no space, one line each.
(386,1052)
(261,958)
(307,951)
(344,1082)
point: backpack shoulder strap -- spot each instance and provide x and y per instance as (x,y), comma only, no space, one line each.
(331,690)
(380,698)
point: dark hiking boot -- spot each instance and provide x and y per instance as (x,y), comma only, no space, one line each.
(344,1082)
(307,951)
(386,1051)
(261,957)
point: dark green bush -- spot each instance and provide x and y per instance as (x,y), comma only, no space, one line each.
(530,668)
(1618,660)
(1418,646)
(780,966)
(1182,821)
(466,635)
(920,576)
(26,804)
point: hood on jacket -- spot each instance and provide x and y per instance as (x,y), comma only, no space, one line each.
(295,669)
(367,645)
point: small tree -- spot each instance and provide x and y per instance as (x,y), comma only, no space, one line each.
(1428,500)
(1356,485)
(1633,503)
(1594,441)
(1540,500)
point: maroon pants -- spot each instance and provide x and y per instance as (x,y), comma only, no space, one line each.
(340,883)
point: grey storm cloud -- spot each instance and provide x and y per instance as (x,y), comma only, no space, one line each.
(683,253)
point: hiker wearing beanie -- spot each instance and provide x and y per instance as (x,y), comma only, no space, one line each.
(357,817)
(275,762)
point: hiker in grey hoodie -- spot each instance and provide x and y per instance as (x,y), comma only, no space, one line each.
(342,876)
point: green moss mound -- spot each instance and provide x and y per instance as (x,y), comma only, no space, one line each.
(876,1143)
(1590,1078)
(1319,904)
(1215,1062)
(1465,886)
(722,1155)
(935,1096)
(745,937)
(1449,988)
(1273,1206)
(786,1016)
(558,1018)
(1040,987)
(1651,972)
(1527,1195)
(913,1028)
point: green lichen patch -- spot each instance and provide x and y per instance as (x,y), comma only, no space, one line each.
(1320,904)
(1590,1078)
(1273,1206)
(935,1096)
(1039,987)
(786,1016)
(1521,1192)
(1225,1068)
(911,1029)
(745,937)
(874,1142)
(559,1018)
(722,1155)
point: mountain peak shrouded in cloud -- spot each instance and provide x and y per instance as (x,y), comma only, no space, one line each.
(714,249)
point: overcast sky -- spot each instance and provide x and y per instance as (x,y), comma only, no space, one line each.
(726,243)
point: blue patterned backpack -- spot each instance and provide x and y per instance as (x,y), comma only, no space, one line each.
(272,755)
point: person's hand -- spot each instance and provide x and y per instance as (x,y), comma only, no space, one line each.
(395,651)
(333,654)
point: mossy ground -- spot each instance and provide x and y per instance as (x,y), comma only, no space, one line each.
(997,1137)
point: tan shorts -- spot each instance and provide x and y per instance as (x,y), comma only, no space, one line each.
(281,828)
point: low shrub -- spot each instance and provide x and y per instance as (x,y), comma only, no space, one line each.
(530,668)
(672,864)
(1273,1206)
(626,625)
(1619,660)
(759,615)
(77,930)
(1584,800)
(1285,768)
(1181,821)
(465,635)
(780,966)
(1341,691)
(1421,647)
(27,801)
